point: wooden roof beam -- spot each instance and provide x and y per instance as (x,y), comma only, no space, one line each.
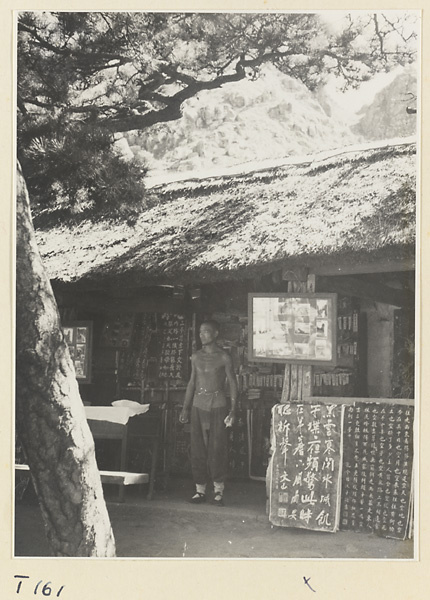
(375,292)
(357,268)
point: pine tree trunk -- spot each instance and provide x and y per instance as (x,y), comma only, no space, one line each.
(51,421)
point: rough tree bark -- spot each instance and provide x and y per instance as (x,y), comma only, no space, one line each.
(51,421)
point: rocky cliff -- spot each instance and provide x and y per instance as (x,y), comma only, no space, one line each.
(270,118)
(273,117)
(387,116)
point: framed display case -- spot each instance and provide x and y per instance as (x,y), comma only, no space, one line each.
(79,338)
(292,328)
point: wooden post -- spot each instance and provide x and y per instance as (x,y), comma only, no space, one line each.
(123,463)
(294,383)
(307,369)
(307,382)
(298,378)
(194,333)
(285,397)
(300,370)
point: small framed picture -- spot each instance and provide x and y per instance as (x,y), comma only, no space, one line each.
(79,336)
(321,328)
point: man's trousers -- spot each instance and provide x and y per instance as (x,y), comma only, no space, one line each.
(208,444)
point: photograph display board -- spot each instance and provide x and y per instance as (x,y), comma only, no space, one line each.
(377,469)
(293,328)
(79,336)
(305,466)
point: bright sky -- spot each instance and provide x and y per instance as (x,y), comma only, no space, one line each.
(352,100)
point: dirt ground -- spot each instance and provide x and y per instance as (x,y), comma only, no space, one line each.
(169,526)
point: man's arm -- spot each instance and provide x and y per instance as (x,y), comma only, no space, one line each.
(233,390)
(189,394)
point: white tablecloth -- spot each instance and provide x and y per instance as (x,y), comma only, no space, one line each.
(114,414)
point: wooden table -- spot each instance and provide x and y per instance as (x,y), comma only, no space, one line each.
(144,426)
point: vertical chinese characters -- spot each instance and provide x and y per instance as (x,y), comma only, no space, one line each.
(305,472)
(377,471)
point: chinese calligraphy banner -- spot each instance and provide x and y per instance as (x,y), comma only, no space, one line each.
(377,469)
(173,351)
(305,466)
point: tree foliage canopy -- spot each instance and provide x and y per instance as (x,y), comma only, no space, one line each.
(85,77)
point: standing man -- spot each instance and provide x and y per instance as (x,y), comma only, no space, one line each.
(205,396)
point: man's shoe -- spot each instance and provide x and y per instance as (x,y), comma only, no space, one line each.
(198,498)
(218,499)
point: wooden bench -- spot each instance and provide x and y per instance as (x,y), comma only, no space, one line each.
(124,478)
(120,478)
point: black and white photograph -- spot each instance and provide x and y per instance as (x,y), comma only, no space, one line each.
(81,335)
(217,265)
(68,335)
(322,309)
(302,326)
(80,352)
(322,328)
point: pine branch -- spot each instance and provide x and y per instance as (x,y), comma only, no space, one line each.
(91,57)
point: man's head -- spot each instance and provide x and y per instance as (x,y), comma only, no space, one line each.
(209,331)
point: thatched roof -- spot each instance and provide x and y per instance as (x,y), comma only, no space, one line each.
(355,205)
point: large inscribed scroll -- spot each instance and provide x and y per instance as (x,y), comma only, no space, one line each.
(377,469)
(305,466)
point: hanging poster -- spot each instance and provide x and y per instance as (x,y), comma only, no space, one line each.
(117,331)
(294,328)
(78,336)
(377,469)
(133,359)
(305,466)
